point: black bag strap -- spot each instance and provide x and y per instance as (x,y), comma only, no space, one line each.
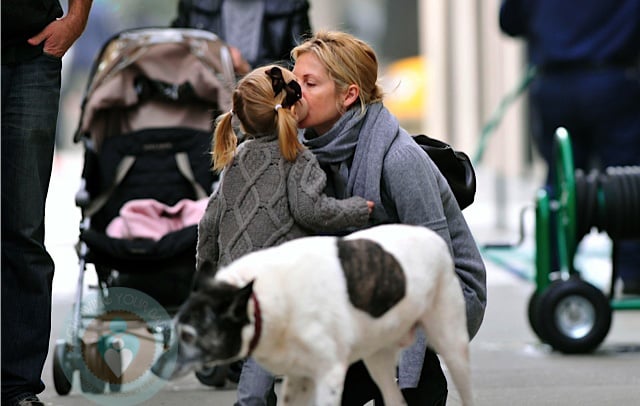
(454,165)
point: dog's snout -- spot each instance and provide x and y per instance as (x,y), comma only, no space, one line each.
(187,334)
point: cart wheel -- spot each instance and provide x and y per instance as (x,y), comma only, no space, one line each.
(533,313)
(60,380)
(215,376)
(573,316)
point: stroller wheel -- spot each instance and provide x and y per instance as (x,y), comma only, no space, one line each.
(60,380)
(215,376)
(89,382)
(235,369)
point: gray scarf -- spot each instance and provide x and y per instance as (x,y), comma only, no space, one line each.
(357,144)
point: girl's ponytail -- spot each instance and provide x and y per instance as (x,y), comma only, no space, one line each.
(224,142)
(287,127)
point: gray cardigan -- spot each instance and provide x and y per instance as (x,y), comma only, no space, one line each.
(372,156)
(263,200)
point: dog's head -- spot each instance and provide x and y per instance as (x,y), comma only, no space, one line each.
(210,326)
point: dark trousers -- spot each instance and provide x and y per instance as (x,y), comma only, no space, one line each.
(359,388)
(601,110)
(30,98)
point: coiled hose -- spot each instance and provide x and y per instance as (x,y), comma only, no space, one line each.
(609,201)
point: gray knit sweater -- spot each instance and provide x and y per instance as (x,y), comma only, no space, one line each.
(263,200)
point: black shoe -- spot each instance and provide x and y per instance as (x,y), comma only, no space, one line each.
(27,399)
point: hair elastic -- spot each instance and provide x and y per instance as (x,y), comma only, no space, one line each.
(278,106)
(231,112)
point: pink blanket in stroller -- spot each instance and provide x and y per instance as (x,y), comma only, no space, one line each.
(149,218)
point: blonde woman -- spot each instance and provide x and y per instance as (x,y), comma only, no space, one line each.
(271,189)
(366,153)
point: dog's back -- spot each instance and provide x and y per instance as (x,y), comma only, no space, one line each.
(426,264)
(372,283)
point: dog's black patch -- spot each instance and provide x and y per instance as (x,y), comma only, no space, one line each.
(375,280)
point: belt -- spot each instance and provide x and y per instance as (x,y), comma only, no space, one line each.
(585,65)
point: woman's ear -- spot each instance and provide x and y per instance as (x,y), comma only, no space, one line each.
(350,96)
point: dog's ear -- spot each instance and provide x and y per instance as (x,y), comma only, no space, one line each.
(204,271)
(240,301)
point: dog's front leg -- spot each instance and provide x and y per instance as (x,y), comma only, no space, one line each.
(382,368)
(297,391)
(329,386)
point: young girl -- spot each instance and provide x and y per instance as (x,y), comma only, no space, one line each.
(271,187)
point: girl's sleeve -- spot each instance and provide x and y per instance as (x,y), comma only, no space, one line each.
(314,210)
(207,250)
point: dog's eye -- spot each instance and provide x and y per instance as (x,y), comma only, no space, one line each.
(188,334)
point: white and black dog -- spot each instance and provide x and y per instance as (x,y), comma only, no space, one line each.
(310,307)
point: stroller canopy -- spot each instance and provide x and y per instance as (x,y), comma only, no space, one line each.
(156,77)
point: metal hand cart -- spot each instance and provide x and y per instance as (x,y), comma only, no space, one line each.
(566,311)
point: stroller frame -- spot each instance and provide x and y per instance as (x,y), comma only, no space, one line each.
(126,85)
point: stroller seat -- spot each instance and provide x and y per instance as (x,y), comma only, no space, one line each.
(163,164)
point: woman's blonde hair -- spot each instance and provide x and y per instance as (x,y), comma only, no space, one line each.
(255,104)
(348,60)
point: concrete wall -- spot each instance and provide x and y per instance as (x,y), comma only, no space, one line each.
(471,67)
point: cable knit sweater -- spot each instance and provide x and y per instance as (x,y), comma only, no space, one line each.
(263,200)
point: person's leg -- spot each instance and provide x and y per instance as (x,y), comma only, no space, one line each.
(432,386)
(431,390)
(30,97)
(359,388)
(547,107)
(256,385)
(617,106)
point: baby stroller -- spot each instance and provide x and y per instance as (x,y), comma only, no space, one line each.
(145,125)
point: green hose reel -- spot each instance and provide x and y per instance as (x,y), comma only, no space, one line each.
(566,312)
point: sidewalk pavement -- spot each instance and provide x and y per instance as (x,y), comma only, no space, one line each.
(509,365)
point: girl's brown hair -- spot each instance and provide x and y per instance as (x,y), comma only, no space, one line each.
(254,103)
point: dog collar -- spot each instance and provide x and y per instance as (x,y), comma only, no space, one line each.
(258,323)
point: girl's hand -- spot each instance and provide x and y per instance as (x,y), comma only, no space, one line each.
(370,205)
